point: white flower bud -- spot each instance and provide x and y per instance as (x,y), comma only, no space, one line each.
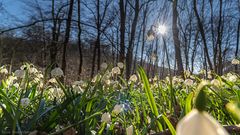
(116,70)
(117,109)
(106,117)
(57,72)
(25,102)
(19,73)
(133,78)
(199,123)
(235,62)
(104,65)
(129,130)
(120,64)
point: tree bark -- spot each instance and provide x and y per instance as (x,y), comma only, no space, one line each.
(122,30)
(176,39)
(202,32)
(67,33)
(79,40)
(129,56)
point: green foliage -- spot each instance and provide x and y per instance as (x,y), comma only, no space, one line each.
(32,100)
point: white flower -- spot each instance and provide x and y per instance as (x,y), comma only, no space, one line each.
(235,62)
(10,80)
(120,64)
(133,78)
(93,132)
(199,123)
(57,72)
(216,82)
(117,109)
(116,70)
(3,70)
(77,88)
(106,117)
(104,65)
(188,82)
(25,102)
(129,130)
(19,73)
(107,82)
(95,78)
(52,80)
(232,78)
(148,119)
(33,70)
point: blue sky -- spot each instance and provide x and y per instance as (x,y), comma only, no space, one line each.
(12,11)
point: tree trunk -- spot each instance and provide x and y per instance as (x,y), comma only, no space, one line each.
(67,33)
(237,44)
(176,40)
(129,55)
(79,40)
(202,32)
(122,30)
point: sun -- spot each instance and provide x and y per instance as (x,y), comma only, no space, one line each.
(162,29)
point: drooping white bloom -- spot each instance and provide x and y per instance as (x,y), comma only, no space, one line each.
(25,102)
(106,117)
(57,72)
(78,89)
(120,64)
(104,65)
(235,62)
(33,70)
(199,123)
(19,73)
(188,82)
(3,70)
(216,82)
(149,119)
(133,78)
(129,130)
(116,70)
(117,109)
(107,82)
(93,132)
(232,78)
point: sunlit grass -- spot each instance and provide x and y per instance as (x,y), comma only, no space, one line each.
(32,100)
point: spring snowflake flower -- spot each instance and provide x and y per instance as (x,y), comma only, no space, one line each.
(216,82)
(93,132)
(232,78)
(104,65)
(129,130)
(133,78)
(120,65)
(33,70)
(3,70)
(19,73)
(199,123)
(149,119)
(188,82)
(116,70)
(57,72)
(107,82)
(106,117)
(235,62)
(25,102)
(117,109)
(78,89)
